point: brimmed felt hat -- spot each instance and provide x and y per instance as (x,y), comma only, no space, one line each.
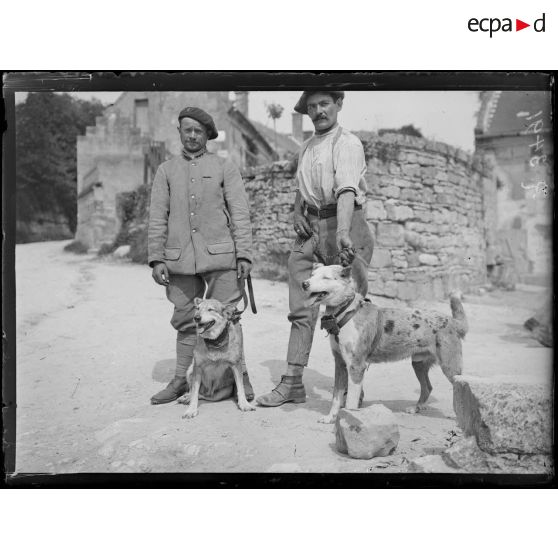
(202,117)
(300,106)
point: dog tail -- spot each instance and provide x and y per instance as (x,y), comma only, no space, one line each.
(458,314)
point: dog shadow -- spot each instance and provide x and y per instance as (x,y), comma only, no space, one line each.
(313,381)
(163,371)
(401,406)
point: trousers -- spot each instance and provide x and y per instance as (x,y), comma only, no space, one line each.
(181,291)
(321,247)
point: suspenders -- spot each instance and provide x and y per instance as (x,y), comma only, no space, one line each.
(333,143)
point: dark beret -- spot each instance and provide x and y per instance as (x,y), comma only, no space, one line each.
(300,106)
(202,117)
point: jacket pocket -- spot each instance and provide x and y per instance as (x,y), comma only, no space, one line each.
(172,253)
(220,248)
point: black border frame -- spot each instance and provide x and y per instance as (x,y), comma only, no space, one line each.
(66,81)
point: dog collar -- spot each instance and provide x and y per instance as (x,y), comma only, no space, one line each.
(329,321)
(220,341)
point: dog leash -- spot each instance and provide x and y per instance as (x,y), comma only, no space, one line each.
(251,294)
(238,313)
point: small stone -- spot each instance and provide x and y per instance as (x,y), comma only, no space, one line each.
(122,251)
(398,212)
(465,454)
(428,259)
(390,191)
(390,234)
(366,433)
(431,464)
(375,210)
(381,257)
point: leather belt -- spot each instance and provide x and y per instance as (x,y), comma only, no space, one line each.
(326,211)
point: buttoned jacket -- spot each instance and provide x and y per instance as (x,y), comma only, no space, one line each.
(199,218)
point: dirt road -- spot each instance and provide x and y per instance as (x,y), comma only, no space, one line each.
(94,343)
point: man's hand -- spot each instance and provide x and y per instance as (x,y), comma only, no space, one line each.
(345,247)
(243,268)
(302,226)
(161,274)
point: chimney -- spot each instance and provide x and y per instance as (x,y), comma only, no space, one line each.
(241,102)
(298,134)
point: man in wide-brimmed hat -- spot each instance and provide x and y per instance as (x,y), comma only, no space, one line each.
(329,223)
(200,237)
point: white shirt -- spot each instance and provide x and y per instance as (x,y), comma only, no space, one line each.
(326,170)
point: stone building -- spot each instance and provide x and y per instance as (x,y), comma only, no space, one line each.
(114,155)
(514,129)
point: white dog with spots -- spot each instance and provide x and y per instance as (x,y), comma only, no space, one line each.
(362,333)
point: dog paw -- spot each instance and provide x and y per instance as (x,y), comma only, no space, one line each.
(328,419)
(184,399)
(190,414)
(246,407)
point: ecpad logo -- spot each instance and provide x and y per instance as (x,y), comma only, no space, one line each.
(494,24)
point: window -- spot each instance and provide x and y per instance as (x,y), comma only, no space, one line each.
(141,115)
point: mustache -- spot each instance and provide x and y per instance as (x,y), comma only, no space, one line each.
(321,117)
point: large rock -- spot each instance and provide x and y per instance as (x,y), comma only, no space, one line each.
(504,417)
(366,433)
(469,458)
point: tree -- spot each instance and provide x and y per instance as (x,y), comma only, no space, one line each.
(408,130)
(274,111)
(47,125)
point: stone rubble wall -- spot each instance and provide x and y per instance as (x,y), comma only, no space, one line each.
(426,208)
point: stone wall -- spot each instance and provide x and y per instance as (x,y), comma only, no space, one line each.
(426,207)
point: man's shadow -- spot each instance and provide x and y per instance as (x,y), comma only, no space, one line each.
(316,400)
(163,371)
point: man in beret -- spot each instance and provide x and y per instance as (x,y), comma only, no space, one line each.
(330,225)
(199,239)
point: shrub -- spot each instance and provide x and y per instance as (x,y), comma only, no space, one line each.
(76,247)
(138,246)
(105,249)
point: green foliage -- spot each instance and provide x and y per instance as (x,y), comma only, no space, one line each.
(105,249)
(274,110)
(47,125)
(133,211)
(76,247)
(407,130)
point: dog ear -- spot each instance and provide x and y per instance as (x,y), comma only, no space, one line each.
(197,301)
(346,271)
(229,311)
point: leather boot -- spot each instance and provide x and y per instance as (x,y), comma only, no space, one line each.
(177,386)
(289,390)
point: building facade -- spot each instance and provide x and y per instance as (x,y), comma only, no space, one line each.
(113,156)
(514,129)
